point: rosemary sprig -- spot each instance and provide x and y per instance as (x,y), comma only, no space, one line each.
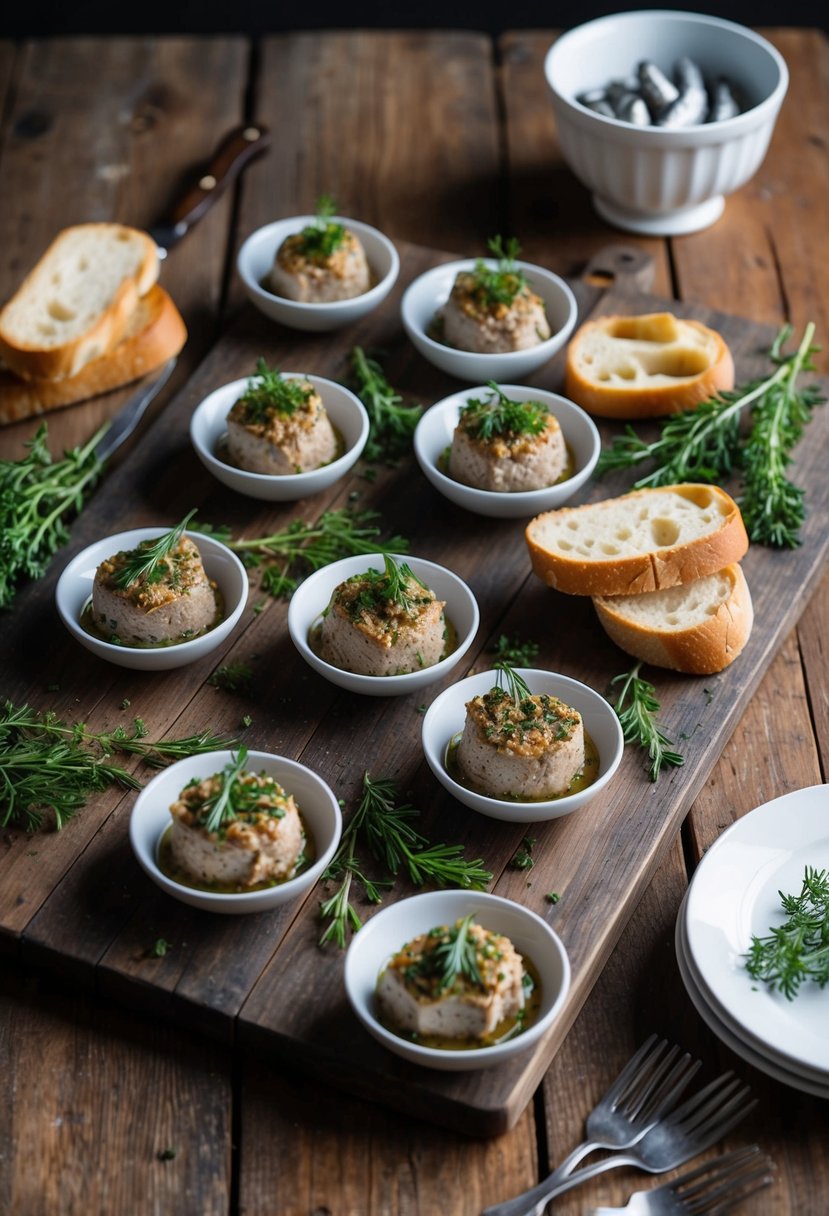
(509,681)
(145,563)
(456,955)
(486,418)
(797,950)
(396,585)
(386,829)
(392,423)
(515,651)
(220,808)
(37,497)
(499,284)
(47,764)
(705,445)
(284,557)
(636,708)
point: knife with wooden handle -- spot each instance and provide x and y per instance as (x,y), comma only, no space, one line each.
(236,150)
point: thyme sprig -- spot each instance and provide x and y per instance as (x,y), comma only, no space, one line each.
(38,495)
(391,422)
(499,284)
(797,950)
(705,444)
(385,827)
(497,415)
(146,563)
(284,557)
(636,708)
(47,764)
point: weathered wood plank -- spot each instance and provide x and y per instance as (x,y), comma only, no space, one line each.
(119,151)
(103,1113)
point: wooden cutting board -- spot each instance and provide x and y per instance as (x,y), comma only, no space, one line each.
(76,902)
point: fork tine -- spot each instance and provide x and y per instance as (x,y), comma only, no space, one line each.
(721,1123)
(650,1050)
(705,1188)
(648,1076)
(706,1099)
(726,1204)
(665,1096)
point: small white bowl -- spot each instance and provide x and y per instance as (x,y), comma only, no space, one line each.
(444,721)
(257,255)
(430,291)
(657,180)
(313,595)
(390,929)
(207,427)
(434,435)
(74,590)
(151,817)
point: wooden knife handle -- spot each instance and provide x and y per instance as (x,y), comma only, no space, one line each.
(237,148)
(620,266)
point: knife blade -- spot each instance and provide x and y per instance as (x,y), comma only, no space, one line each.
(234,152)
(127,418)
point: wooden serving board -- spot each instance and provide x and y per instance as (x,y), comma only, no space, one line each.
(76,901)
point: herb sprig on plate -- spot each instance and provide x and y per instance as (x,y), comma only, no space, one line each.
(499,284)
(285,556)
(391,422)
(455,956)
(636,708)
(37,497)
(48,764)
(798,950)
(385,827)
(147,562)
(705,444)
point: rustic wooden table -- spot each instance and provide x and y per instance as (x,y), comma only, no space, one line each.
(440,139)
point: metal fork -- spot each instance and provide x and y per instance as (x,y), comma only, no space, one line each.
(711,1190)
(693,1127)
(649,1085)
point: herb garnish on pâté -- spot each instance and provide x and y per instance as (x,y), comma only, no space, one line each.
(147,562)
(499,417)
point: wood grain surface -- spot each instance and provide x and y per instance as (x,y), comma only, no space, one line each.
(762,260)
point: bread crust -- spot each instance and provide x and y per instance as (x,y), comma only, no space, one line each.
(702,649)
(156,332)
(32,362)
(649,570)
(644,396)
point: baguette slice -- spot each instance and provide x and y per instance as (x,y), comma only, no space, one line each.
(699,627)
(645,366)
(75,305)
(643,541)
(154,334)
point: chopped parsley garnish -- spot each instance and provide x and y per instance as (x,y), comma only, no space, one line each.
(498,416)
(232,677)
(523,859)
(269,392)
(397,584)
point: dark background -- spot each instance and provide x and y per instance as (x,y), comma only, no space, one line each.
(41,18)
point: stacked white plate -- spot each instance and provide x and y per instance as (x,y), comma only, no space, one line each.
(734,896)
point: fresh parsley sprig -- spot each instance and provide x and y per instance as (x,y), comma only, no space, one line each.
(391,422)
(385,827)
(705,444)
(323,237)
(47,764)
(497,415)
(38,495)
(499,284)
(268,391)
(636,708)
(798,950)
(284,557)
(145,563)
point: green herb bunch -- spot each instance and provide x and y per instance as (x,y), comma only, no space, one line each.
(147,563)
(37,497)
(391,423)
(284,557)
(798,950)
(499,284)
(497,416)
(396,584)
(385,827)
(636,708)
(268,393)
(454,958)
(515,650)
(706,444)
(48,765)
(323,237)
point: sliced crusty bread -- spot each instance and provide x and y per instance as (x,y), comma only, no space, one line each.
(155,332)
(645,366)
(643,541)
(699,627)
(75,305)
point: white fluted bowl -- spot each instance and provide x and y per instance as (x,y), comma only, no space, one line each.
(657,180)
